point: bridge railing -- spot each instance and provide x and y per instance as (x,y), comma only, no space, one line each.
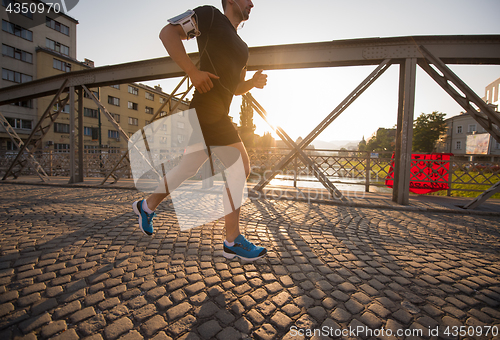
(353,168)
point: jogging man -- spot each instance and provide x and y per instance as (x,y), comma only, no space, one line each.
(221,75)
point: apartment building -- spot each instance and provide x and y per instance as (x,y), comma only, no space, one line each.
(21,36)
(459,131)
(50,49)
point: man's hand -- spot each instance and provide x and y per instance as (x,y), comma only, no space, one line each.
(259,80)
(202,80)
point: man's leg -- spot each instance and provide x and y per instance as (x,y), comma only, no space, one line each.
(190,164)
(187,168)
(228,158)
(235,243)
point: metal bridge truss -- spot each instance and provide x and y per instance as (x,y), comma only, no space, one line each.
(431,53)
(18,142)
(35,138)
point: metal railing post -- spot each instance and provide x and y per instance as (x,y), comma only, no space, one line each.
(368,172)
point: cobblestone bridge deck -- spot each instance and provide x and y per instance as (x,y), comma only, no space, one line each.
(74,265)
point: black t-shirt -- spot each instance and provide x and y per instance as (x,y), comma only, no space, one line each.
(224,54)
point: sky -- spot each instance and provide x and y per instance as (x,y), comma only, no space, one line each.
(120,31)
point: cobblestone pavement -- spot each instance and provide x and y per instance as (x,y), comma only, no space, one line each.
(74,265)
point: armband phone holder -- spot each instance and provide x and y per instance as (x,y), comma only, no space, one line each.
(187,23)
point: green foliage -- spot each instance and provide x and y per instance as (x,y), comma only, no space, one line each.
(362,145)
(264,142)
(385,140)
(426,131)
(247,127)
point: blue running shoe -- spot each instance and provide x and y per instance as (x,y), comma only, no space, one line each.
(145,219)
(243,249)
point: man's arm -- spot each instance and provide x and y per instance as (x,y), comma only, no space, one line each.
(258,80)
(171,37)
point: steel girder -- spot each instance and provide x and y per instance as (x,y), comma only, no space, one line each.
(474,49)
(334,192)
(297,150)
(407,51)
(18,142)
(156,116)
(41,129)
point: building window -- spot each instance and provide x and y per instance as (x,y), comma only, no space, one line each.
(16,53)
(11,146)
(96,94)
(163,113)
(24,103)
(61,65)
(115,86)
(64,110)
(149,110)
(14,76)
(113,101)
(61,147)
(133,121)
(133,90)
(61,128)
(92,113)
(458,145)
(116,117)
(113,134)
(180,125)
(17,30)
(150,96)
(91,132)
(133,106)
(162,100)
(18,123)
(472,128)
(459,129)
(56,25)
(56,46)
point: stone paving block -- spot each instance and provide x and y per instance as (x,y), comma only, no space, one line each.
(34,323)
(92,325)
(144,312)
(181,326)
(71,334)
(70,308)
(118,327)
(162,336)
(83,314)
(53,328)
(117,312)
(266,332)
(402,316)
(229,333)
(341,315)
(153,325)
(178,310)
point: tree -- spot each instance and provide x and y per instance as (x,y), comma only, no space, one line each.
(247,128)
(265,142)
(426,131)
(362,145)
(384,140)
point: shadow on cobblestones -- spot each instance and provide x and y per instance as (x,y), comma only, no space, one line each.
(73,264)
